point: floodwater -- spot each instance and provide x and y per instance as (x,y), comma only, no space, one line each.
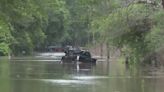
(31,75)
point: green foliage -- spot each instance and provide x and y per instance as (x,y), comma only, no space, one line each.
(29,21)
(5,37)
(132,30)
(58,20)
(4,49)
(28,25)
(155,38)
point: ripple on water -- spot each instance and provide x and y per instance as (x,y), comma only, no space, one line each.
(89,77)
(67,82)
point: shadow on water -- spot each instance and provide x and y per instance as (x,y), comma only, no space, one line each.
(31,75)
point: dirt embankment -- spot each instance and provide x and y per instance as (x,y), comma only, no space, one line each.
(102,51)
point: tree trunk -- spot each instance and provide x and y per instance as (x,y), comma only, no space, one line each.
(101,50)
(108,51)
(163,3)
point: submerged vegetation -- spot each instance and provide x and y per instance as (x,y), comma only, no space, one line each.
(133,26)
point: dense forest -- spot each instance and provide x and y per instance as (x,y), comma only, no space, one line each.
(133,26)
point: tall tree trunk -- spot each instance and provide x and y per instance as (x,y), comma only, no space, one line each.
(163,3)
(101,50)
(108,51)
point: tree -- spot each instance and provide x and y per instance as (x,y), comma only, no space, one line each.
(5,36)
(163,3)
(127,28)
(29,20)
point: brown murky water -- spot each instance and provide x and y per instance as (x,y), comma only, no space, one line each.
(29,75)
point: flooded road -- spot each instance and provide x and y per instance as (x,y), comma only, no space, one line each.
(30,75)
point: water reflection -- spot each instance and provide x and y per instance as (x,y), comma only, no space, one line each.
(51,76)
